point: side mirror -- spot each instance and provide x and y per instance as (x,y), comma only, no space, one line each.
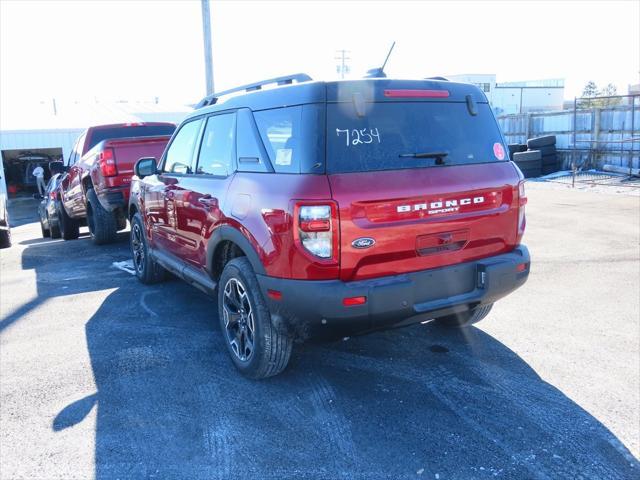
(145,166)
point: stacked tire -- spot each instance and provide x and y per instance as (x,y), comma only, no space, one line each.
(547,147)
(516,148)
(529,163)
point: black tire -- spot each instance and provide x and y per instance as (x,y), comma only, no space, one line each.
(147,269)
(548,160)
(256,347)
(465,319)
(54,228)
(69,228)
(547,150)
(516,148)
(5,238)
(45,231)
(534,143)
(532,156)
(103,225)
(531,172)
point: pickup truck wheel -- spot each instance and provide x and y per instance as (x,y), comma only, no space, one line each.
(46,233)
(69,228)
(257,349)
(465,319)
(147,270)
(103,225)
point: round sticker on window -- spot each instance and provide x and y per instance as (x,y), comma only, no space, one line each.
(498,151)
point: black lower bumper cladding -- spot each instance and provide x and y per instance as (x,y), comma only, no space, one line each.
(315,308)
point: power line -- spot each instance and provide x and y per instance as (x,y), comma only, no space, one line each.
(342,68)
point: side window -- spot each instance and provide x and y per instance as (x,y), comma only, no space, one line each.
(78,148)
(280,132)
(252,156)
(216,150)
(179,156)
(74,153)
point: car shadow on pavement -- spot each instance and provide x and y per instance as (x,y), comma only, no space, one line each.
(415,401)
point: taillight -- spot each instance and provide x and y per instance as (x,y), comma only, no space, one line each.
(53,195)
(522,219)
(107,161)
(317,230)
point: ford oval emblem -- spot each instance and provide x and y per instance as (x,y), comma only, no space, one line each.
(364,242)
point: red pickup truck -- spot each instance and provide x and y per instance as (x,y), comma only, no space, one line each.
(95,190)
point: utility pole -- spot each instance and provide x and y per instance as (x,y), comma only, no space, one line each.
(206,32)
(342,68)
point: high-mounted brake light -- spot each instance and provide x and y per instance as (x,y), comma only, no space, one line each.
(417,93)
(316,229)
(107,161)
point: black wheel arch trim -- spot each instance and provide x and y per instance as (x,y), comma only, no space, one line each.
(228,233)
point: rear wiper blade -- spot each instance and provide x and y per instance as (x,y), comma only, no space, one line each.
(439,156)
(424,155)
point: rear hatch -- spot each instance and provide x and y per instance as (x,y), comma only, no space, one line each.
(420,175)
(127,151)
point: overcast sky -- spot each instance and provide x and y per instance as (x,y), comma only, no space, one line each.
(140,49)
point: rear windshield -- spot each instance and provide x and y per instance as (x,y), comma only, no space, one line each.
(134,131)
(387,135)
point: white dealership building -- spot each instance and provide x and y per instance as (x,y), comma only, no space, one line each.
(517,97)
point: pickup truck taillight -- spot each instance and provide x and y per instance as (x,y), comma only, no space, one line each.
(53,195)
(316,229)
(522,219)
(107,161)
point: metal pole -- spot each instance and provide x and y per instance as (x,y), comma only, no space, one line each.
(206,33)
(633,131)
(573,156)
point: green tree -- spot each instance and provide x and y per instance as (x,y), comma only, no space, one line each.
(590,90)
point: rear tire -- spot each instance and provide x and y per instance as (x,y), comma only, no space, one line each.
(54,228)
(147,269)
(5,238)
(103,225)
(69,227)
(46,233)
(256,348)
(465,319)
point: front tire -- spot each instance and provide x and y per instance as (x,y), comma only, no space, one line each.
(257,349)
(103,225)
(147,270)
(465,319)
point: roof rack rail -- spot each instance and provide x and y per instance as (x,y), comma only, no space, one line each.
(285,80)
(437,78)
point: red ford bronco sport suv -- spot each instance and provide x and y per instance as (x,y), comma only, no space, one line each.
(332,208)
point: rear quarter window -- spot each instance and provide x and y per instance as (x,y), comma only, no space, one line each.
(293,137)
(389,132)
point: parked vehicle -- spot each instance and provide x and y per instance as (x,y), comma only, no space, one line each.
(95,190)
(5,228)
(48,208)
(325,209)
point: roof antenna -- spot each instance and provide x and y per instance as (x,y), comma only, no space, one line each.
(379,72)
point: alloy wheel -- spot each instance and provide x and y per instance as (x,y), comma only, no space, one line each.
(137,247)
(238,319)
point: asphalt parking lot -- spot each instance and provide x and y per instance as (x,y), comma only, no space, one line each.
(102,377)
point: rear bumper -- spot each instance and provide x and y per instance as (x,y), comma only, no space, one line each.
(114,198)
(314,308)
